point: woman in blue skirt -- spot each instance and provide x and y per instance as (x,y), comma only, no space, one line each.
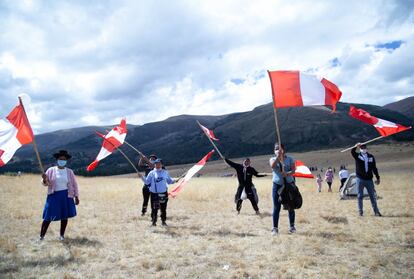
(62,194)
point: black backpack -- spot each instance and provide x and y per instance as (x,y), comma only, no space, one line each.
(291,197)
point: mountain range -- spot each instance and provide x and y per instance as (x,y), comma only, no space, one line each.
(179,140)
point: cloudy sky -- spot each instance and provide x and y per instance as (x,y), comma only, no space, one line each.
(93,62)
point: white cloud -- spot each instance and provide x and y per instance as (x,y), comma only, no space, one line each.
(94,62)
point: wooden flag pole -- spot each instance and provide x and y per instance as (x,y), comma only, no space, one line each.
(214,145)
(42,169)
(371,140)
(279,138)
(123,154)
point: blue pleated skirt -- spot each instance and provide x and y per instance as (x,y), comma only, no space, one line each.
(59,207)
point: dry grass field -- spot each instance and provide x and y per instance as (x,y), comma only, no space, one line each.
(205,237)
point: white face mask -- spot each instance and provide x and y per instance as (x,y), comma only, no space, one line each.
(277,153)
(364,151)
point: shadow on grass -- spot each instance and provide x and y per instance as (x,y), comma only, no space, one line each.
(59,261)
(331,236)
(225,233)
(81,241)
(335,220)
(400,215)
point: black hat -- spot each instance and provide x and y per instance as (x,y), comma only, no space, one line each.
(153,156)
(363,146)
(62,153)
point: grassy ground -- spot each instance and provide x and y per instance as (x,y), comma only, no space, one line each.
(206,239)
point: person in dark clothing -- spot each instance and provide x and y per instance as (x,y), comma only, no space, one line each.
(244,175)
(147,165)
(365,167)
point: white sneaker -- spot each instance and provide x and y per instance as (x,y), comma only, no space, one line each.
(275,231)
(41,238)
(61,238)
(292,229)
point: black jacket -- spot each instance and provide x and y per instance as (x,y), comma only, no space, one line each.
(245,178)
(360,165)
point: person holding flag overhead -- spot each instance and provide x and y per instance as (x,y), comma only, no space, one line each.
(158,179)
(282,178)
(365,167)
(245,174)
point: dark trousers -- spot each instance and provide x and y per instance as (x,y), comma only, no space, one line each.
(146,196)
(250,196)
(158,202)
(276,208)
(342,183)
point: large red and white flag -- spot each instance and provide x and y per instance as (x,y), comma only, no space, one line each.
(190,173)
(297,89)
(384,127)
(15,131)
(301,170)
(114,139)
(208,132)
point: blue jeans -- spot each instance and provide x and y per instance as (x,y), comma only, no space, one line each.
(276,208)
(369,184)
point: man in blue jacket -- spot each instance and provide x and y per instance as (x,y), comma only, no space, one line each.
(157,179)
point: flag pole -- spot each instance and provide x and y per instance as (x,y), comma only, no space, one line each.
(279,138)
(371,140)
(42,169)
(214,145)
(123,154)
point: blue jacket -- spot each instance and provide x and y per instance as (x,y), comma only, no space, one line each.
(158,180)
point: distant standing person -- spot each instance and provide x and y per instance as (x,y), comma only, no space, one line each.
(245,174)
(343,176)
(329,176)
(62,194)
(158,179)
(319,182)
(281,176)
(147,164)
(365,167)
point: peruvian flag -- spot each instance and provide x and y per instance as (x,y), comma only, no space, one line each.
(297,89)
(190,173)
(114,139)
(15,131)
(208,132)
(301,170)
(384,127)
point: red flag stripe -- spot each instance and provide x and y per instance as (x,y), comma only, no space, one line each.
(18,118)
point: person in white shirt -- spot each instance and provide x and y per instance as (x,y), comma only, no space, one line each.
(343,176)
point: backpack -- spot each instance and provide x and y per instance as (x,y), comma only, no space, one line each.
(291,197)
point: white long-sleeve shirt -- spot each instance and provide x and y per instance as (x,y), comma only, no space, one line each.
(343,174)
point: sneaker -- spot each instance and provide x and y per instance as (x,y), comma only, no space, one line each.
(153,224)
(258,212)
(378,214)
(41,238)
(61,238)
(275,231)
(238,212)
(142,213)
(292,229)
(361,214)
(164,224)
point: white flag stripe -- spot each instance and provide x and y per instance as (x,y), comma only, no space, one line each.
(103,153)
(191,172)
(312,90)
(303,170)
(8,140)
(384,123)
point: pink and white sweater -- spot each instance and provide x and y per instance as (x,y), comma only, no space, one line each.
(72,184)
